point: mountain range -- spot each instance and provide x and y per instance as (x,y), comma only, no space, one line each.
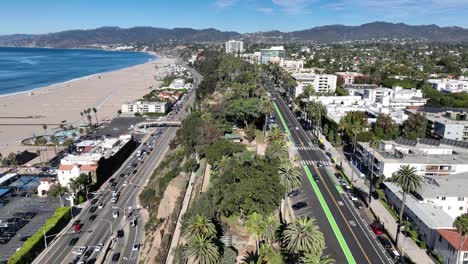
(331,33)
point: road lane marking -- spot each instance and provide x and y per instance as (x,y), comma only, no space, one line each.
(331,220)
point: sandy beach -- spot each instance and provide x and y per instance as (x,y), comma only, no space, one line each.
(52,104)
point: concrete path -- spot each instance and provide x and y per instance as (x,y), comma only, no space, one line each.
(406,245)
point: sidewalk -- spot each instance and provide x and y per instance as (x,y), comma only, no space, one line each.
(410,248)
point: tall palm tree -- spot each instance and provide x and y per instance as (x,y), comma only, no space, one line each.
(303,236)
(200,225)
(316,110)
(354,122)
(409,181)
(310,258)
(256,226)
(276,135)
(201,250)
(95,115)
(461,224)
(290,177)
(265,108)
(271,225)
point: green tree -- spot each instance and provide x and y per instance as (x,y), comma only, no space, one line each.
(310,258)
(415,126)
(222,148)
(276,135)
(266,109)
(316,111)
(290,177)
(409,181)
(256,226)
(250,132)
(353,123)
(199,225)
(201,250)
(80,183)
(461,224)
(271,225)
(385,127)
(303,236)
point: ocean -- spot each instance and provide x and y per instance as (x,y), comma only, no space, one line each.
(24,69)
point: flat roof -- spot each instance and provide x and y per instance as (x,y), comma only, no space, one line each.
(432,216)
(453,185)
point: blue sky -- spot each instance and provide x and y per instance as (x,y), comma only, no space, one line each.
(43,16)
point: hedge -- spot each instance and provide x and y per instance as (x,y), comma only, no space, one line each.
(35,244)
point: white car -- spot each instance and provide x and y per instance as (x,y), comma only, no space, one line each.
(115,214)
(297,128)
(352,196)
(136,247)
(101,205)
(81,250)
(99,247)
(124,183)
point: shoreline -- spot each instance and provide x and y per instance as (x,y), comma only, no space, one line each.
(38,89)
(64,101)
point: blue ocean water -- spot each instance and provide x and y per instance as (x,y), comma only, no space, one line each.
(23,69)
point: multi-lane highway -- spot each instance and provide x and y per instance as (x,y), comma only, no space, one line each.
(347,234)
(111,224)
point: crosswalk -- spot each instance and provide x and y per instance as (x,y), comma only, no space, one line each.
(296,147)
(315,162)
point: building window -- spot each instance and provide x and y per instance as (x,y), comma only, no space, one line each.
(449,207)
(460,199)
(465,256)
(443,198)
(460,208)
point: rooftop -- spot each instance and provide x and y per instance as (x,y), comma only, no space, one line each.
(432,216)
(454,185)
(453,237)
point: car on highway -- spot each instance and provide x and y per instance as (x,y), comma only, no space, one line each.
(120,233)
(78,228)
(377,228)
(101,205)
(320,164)
(114,184)
(81,250)
(122,175)
(114,199)
(92,217)
(94,201)
(24,238)
(76,222)
(115,257)
(297,128)
(316,178)
(135,247)
(92,209)
(111,180)
(133,222)
(91,261)
(124,183)
(115,214)
(73,241)
(88,253)
(298,206)
(384,241)
(293,193)
(98,247)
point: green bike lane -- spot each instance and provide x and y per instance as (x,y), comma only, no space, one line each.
(350,243)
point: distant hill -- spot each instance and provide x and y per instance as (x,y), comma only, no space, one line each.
(332,33)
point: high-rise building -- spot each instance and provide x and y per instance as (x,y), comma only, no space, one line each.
(275,54)
(234,46)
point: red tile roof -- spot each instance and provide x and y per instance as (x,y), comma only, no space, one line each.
(82,167)
(453,237)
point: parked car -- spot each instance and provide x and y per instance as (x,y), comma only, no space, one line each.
(316,178)
(136,247)
(101,205)
(78,227)
(115,257)
(352,196)
(120,233)
(384,241)
(92,209)
(81,250)
(377,228)
(98,247)
(293,193)
(115,214)
(394,254)
(134,222)
(94,201)
(92,218)
(358,204)
(298,206)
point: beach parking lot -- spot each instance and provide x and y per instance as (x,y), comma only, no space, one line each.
(42,207)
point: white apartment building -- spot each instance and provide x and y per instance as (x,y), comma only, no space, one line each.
(395,97)
(234,47)
(448,124)
(447,245)
(348,77)
(322,83)
(252,58)
(293,65)
(145,107)
(449,85)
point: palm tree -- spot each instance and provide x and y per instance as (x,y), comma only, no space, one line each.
(271,225)
(256,226)
(310,258)
(354,122)
(290,177)
(265,108)
(316,110)
(201,250)
(276,135)
(95,115)
(303,236)
(461,224)
(409,181)
(200,225)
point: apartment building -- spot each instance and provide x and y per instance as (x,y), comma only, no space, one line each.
(234,47)
(275,54)
(449,85)
(349,77)
(447,245)
(145,107)
(446,123)
(293,66)
(322,83)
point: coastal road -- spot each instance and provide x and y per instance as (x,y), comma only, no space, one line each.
(129,181)
(347,235)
